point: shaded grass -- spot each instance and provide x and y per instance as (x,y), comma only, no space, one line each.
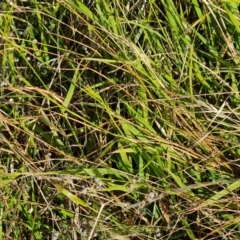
(119,120)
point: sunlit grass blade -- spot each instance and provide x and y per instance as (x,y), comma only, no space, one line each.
(69,195)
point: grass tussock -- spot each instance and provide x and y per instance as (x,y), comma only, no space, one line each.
(119,119)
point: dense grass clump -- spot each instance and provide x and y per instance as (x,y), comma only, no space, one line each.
(119,119)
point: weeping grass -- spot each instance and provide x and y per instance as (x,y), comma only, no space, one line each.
(119,119)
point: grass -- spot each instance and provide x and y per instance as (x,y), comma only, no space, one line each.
(119,119)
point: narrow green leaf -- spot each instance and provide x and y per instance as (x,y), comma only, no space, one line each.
(71,89)
(69,195)
(221,194)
